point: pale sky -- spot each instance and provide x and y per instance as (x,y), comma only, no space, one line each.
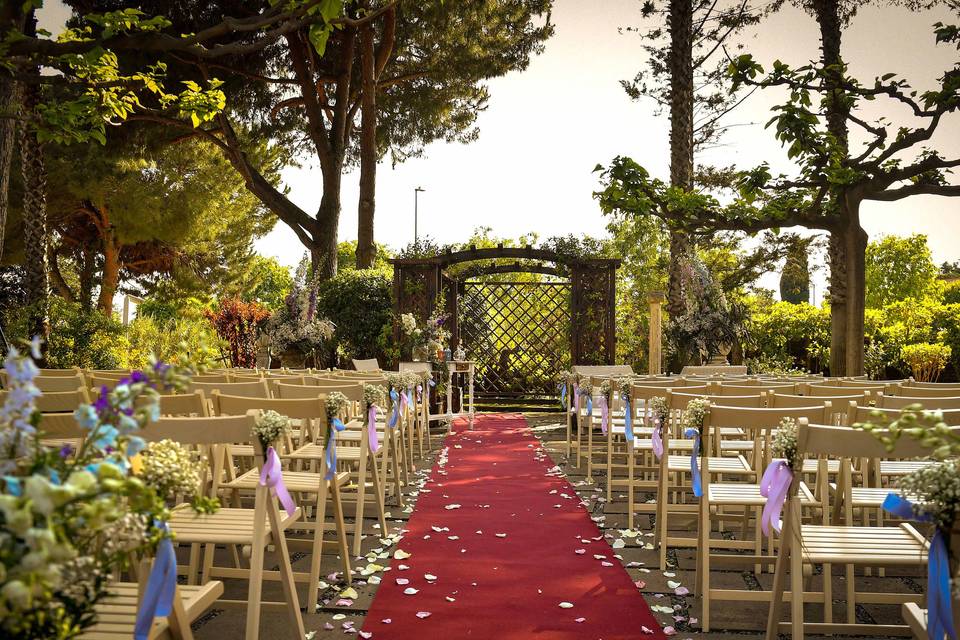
(546,129)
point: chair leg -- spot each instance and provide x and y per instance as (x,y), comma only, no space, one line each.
(796,593)
(704,568)
(341,528)
(851,594)
(663,511)
(361,500)
(317,552)
(828,593)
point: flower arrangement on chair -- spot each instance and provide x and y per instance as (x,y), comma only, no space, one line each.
(70,517)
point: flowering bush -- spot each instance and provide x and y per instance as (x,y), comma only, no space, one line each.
(70,518)
(425,341)
(926,361)
(237,322)
(296,325)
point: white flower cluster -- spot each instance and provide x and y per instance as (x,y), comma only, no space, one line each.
(623,385)
(171,469)
(694,414)
(605,389)
(270,427)
(935,490)
(337,404)
(395,380)
(410,379)
(784,443)
(585,387)
(660,410)
(408,323)
(374,394)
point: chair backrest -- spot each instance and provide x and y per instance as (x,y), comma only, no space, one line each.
(416,367)
(785,401)
(60,383)
(57,401)
(48,373)
(185,404)
(930,403)
(725,389)
(830,390)
(115,374)
(911,383)
(928,392)
(846,442)
(353,390)
(369,364)
(710,370)
(211,377)
(96,381)
(679,399)
(866,384)
(855,414)
(250,389)
(603,370)
(294,408)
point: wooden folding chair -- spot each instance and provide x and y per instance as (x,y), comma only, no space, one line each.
(311,482)
(808,544)
(259,527)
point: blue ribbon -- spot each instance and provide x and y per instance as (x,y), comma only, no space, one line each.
(939,606)
(335,425)
(694,466)
(563,394)
(395,415)
(410,396)
(590,404)
(627,419)
(161,586)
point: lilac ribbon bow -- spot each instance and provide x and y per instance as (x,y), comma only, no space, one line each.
(161,587)
(694,463)
(604,414)
(774,486)
(939,605)
(372,428)
(271,476)
(335,425)
(404,400)
(576,398)
(419,391)
(655,439)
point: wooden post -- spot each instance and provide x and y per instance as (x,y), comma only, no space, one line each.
(656,299)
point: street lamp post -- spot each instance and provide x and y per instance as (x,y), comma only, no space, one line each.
(416,198)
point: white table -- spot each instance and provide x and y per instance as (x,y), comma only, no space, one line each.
(460,366)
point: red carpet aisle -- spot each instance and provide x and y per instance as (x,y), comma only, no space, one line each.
(493,546)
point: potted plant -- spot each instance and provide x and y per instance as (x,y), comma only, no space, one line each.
(296,333)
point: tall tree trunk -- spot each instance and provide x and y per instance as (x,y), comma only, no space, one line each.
(366,248)
(842,239)
(111,269)
(10,18)
(681,134)
(34,210)
(323,253)
(856,256)
(87,257)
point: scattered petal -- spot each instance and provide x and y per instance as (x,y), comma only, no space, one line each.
(423,614)
(410,591)
(566,605)
(400,554)
(349,593)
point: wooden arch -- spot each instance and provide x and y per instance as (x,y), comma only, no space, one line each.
(420,284)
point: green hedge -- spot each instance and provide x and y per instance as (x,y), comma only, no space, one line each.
(360,304)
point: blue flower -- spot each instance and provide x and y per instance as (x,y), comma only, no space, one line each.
(135,445)
(106,436)
(14,487)
(87,416)
(35,347)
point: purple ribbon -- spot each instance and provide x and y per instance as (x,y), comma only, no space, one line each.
(419,391)
(939,605)
(372,428)
(404,400)
(161,587)
(655,439)
(774,486)
(576,398)
(604,414)
(271,476)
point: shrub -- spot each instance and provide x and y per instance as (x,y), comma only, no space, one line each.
(361,306)
(78,338)
(926,361)
(237,323)
(951,292)
(799,331)
(168,339)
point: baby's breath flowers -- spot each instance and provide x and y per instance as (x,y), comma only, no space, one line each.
(660,410)
(374,394)
(337,404)
(784,444)
(270,427)
(395,380)
(173,470)
(934,490)
(694,414)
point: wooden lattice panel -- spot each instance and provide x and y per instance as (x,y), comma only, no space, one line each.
(518,334)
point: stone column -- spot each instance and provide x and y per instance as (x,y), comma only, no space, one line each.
(656,299)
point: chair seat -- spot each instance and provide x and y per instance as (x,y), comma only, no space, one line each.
(717,465)
(226,526)
(901,467)
(900,545)
(811,466)
(744,494)
(317,451)
(868,496)
(916,618)
(117,613)
(677,444)
(303,481)
(736,445)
